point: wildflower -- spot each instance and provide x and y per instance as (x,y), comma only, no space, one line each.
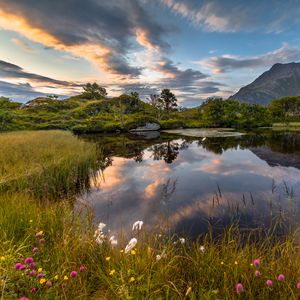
(23,298)
(30,221)
(42,280)
(66,277)
(239,288)
(82,269)
(99,234)
(256,262)
(112,272)
(222,262)
(73,274)
(32,266)
(56,277)
(22,267)
(130,245)
(42,241)
(121,251)
(269,282)
(107,258)
(113,241)
(298,285)
(281,277)
(2,258)
(182,240)
(137,225)
(39,234)
(202,249)
(257,273)
(133,252)
(28,260)
(18,266)
(159,257)
(49,284)
(35,250)
(40,275)
(235,262)
(34,290)
(40,270)
(32,273)
(131,279)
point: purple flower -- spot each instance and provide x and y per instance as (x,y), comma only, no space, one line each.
(18,266)
(239,288)
(24,298)
(28,260)
(39,234)
(298,285)
(82,269)
(269,282)
(35,250)
(42,241)
(48,283)
(281,277)
(256,262)
(32,266)
(32,273)
(257,273)
(40,275)
(34,290)
(22,267)
(73,274)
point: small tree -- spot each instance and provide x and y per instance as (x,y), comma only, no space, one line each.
(93,91)
(168,100)
(156,103)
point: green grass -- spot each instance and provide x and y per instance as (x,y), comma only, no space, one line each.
(185,272)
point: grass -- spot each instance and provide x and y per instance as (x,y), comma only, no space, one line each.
(66,243)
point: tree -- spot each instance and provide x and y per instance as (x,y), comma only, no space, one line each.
(93,91)
(156,103)
(135,95)
(168,100)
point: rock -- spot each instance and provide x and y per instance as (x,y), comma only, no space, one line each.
(147,135)
(146,127)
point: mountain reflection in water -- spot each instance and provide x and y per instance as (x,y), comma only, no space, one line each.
(185,184)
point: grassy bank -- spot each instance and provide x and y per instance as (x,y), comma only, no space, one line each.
(68,262)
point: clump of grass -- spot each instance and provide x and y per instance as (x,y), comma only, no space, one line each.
(47,164)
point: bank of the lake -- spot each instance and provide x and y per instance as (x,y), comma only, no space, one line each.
(49,251)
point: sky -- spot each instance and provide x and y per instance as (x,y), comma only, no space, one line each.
(196,48)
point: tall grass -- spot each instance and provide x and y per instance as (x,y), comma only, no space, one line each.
(47,164)
(159,267)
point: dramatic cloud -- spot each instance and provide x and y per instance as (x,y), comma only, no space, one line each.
(105,32)
(236,15)
(23,45)
(228,63)
(11,71)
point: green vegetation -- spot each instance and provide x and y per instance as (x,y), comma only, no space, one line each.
(60,239)
(93,111)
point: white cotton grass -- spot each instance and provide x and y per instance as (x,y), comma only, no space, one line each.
(130,245)
(182,240)
(202,249)
(160,256)
(113,241)
(99,233)
(137,225)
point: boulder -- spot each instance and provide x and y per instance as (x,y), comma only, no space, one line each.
(146,127)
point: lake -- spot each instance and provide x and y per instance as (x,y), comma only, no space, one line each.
(191,180)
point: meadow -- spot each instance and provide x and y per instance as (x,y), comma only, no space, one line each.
(49,250)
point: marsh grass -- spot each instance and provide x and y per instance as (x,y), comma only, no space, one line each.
(48,164)
(185,271)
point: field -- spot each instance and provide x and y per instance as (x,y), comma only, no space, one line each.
(48,249)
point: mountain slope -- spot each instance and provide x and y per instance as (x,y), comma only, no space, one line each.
(280,81)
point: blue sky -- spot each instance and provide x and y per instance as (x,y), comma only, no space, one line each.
(196,48)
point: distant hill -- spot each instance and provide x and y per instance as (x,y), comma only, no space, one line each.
(280,81)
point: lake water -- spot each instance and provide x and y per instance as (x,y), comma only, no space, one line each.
(187,183)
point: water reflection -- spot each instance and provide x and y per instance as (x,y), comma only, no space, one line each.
(184,183)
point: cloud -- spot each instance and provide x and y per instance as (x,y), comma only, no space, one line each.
(236,15)
(228,63)
(8,70)
(23,45)
(104,32)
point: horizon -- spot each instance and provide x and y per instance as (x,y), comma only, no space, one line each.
(197,49)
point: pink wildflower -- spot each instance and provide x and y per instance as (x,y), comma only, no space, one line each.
(42,241)
(269,282)
(256,262)
(35,250)
(73,274)
(239,288)
(281,277)
(28,260)
(32,266)
(40,275)
(82,269)
(48,283)
(24,298)
(22,267)
(298,285)
(257,273)
(34,290)
(18,266)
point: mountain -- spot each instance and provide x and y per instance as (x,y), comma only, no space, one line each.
(280,81)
